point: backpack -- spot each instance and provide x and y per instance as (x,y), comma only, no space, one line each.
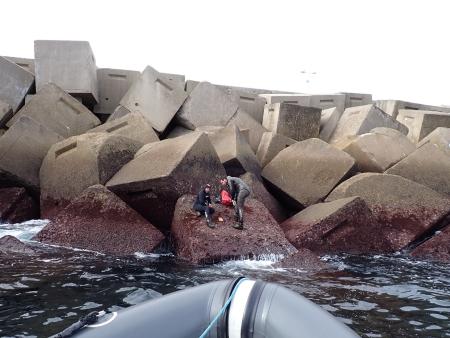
(225,198)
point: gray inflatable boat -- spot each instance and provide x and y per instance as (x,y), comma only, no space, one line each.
(240,308)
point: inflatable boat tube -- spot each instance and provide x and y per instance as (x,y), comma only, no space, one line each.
(239,308)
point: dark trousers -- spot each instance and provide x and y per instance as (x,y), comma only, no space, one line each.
(205,210)
(239,208)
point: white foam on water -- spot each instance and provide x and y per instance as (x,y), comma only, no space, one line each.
(24,231)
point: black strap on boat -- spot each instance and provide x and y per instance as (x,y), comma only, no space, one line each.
(89,319)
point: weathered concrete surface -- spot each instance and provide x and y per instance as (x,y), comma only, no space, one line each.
(303,259)
(260,193)
(2,131)
(197,243)
(176,79)
(428,165)
(58,111)
(293,121)
(320,101)
(11,245)
(328,121)
(436,248)
(100,221)
(27,64)
(118,113)
(305,172)
(387,131)
(133,126)
(440,137)
(15,83)
(270,145)
(178,131)
(68,64)
(5,113)
(163,171)
(344,225)
(78,163)
(155,97)
(17,206)
(256,130)
(360,120)
(22,149)
(422,122)
(392,107)
(357,99)
(209,129)
(376,152)
(206,105)
(113,84)
(404,209)
(234,152)
(191,84)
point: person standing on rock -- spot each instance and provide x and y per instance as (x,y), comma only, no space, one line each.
(203,205)
(239,191)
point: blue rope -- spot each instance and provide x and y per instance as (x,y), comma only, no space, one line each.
(222,310)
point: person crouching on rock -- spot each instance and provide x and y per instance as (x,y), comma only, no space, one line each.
(239,191)
(203,205)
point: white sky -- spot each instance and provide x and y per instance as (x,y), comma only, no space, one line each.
(393,49)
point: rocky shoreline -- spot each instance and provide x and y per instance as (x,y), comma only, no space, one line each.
(114,157)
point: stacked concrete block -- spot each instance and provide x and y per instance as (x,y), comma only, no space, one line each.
(113,84)
(422,122)
(68,64)
(58,111)
(360,120)
(133,126)
(234,152)
(118,113)
(370,151)
(328,122)
(440,137)
(22,149)
(206,105)
(293,121)
(357,99)
(252,104)
(256,130)
(27,64)
(300,99)
(79,162)
(15,83)
(5,113)
(392,107)
(427,165)
(317,101)
(177,79)
(190,85)
(155,97)
(269,147)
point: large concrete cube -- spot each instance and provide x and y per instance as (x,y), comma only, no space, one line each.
(256,130)
(68,64)
(300,99)
(79,162)
(376,152)
(234,152)
(251,103)
(440,137)
(191,84)
(133,126)
(163,171)
(323,101)
(206,105)
(428,165)
(15,83)
(405,210)
(357,99)
(271,144)
(360,120)
(155,97)
(113,84)
(422,122)
(293,121)
(27,64)
(392,107)
(306,172)
(5,113)
(22,149)
(328,122)
(58,111)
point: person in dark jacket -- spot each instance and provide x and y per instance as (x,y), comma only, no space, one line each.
(203,205)
(239,191)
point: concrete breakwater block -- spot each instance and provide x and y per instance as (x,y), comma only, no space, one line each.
(270,145)
(421,123)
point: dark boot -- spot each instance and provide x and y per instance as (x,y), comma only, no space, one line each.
(238,226)
(209,222)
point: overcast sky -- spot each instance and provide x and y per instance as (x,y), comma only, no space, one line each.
(393,49)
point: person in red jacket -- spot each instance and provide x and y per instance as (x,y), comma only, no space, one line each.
(239,191)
